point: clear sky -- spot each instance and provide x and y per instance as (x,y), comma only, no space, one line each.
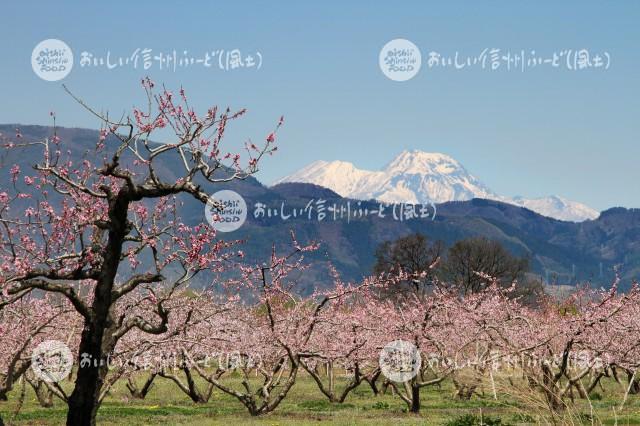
(534,133)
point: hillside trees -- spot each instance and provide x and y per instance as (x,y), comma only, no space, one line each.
(413,255)
(467,258)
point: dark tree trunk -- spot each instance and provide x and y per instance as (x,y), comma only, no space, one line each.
(193,393)
(372,382)
(142,392)
(9,380)
(415,398)
(634,383)
(85,399)
(549,388)
(44,395)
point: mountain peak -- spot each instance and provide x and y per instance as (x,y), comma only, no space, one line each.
(339,176)
(411,177)
(420,177)
(421,162)
(417,153)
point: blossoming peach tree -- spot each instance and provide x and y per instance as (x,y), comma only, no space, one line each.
(101,228)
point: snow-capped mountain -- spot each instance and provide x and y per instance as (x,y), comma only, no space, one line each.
(421,177)
(557,207)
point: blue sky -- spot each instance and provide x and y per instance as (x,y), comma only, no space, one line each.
(544,131)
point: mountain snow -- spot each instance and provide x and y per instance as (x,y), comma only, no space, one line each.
(419,177)
(556,207)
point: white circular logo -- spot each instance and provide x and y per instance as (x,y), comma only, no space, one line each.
(51,361)
(233,215)
(52,59)
(400,361)
(400,60)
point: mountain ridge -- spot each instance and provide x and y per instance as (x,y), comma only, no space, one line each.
(560,251)
(419,177)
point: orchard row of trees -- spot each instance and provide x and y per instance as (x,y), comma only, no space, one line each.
(486,341)
(93,254)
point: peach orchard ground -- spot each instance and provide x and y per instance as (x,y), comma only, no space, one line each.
(305,405)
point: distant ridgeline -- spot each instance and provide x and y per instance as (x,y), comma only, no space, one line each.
(350,230)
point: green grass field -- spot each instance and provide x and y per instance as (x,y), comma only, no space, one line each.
(305,405)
